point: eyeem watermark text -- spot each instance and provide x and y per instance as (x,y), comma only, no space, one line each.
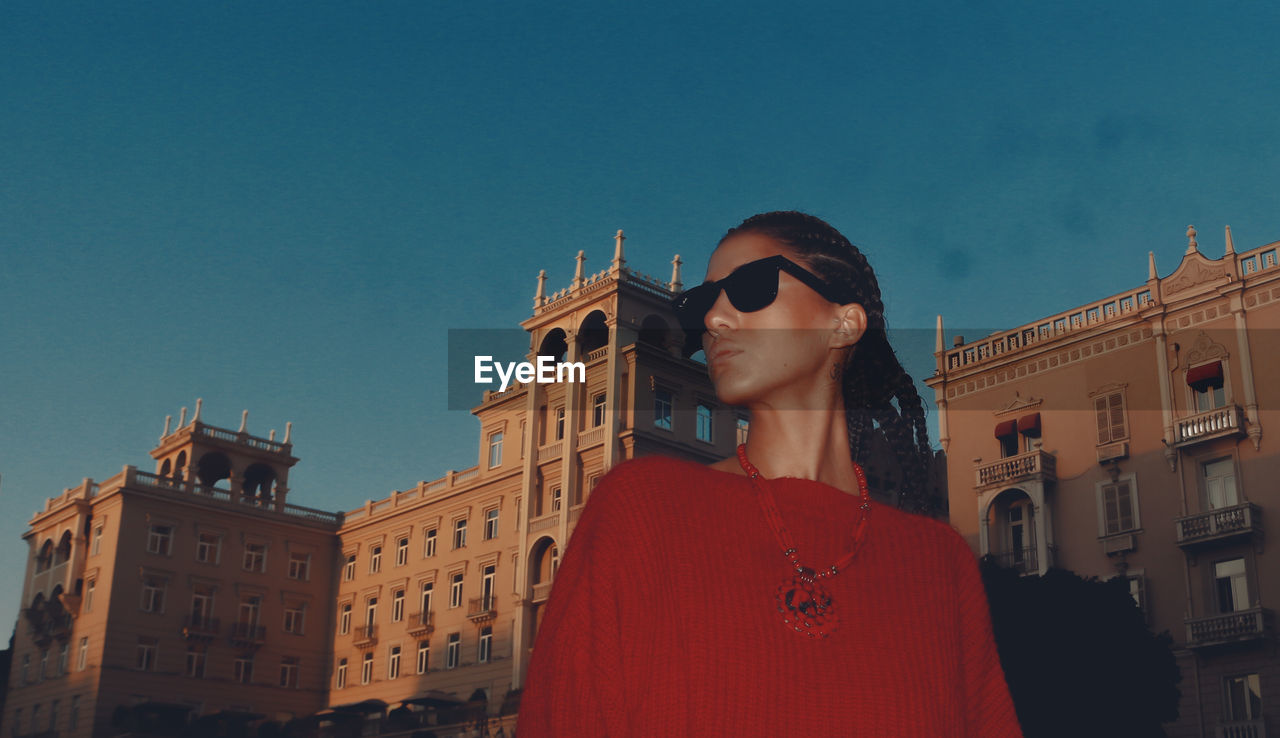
(546,371)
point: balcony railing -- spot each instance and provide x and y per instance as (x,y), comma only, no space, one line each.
(421,624)
(1024,560)
(1243,625)
(541,591)
(366,636)
(248,634)
(1035,464)
(200,626)
(1216,423)
(1241,729)
(483,609)
(1220,524)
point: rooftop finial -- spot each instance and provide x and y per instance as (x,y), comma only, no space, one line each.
(579,276)
(168,419)
(288,431)
(676,285)
(938,341)
(196,417)
(1231,245)
(244,421)
(182,418)
(1151,265)
(540,298)
(272,435)
(1191,239)
(618,259)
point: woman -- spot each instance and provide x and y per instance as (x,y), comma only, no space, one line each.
(767,595)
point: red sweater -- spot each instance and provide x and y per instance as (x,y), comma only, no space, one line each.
(663,620)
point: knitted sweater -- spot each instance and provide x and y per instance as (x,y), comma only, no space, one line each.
(664,619)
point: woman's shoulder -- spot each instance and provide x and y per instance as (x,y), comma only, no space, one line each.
(928,533)
(649,481)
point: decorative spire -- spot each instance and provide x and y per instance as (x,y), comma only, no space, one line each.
(168,419)
(272,435)
(676,285)
(288,431)
(540,297)
(244,421)
(579,276)
(195,418)
(1191,239)
(1231,245)
(618,259)
(1151,266)
(938,342)
(182,418)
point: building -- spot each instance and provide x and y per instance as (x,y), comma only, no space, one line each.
(199,593)
(1125,437)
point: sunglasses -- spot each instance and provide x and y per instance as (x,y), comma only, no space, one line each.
(751,287)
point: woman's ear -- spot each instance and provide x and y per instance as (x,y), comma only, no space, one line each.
(850,324)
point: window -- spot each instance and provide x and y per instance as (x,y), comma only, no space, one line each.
(293,620)
(349,568)
(89,587)
(429,546)
(1207,386)
(82,654)
(426,597)
(460,533)
(487,581)
(662,409)
(97,541)
(366,668)
(424,656)
(244,669)
(159,539)
(255,557)
(44,665)
(371,612)
(64,652)
(703,429)
(208,548)
(397,606)
(153,595)
(491,524)
(1109,409)
(195,663)
(402,551)
(495,449)
(201,608)
(250,609)
(344,619)
(556,496)
(393,663)
(289,672)
(340,675)
(1119,507)
(454,651)
(1138,591)
(1220,483)
(486,645)
(299,566)
(1007,436)
(375,559)
(597,410)
(559,423)
(743,425)
(73,718)
(1242,700)
(1232,588)
(523,427)
(455,590)
(147,648)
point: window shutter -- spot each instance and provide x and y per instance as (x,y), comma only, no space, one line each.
(1116,402)
(1104,427)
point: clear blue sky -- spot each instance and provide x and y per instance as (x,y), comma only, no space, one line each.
(283,207)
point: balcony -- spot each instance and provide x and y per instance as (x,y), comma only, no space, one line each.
(1232,627)
(541,591)
(366,636)
(1024,561)
(1034,465)
(421,624)
(1224,523)
(1220,422)
(200,627)
(483,609)
(247,635)
(1241,729)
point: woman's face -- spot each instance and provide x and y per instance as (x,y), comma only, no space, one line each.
(781,355)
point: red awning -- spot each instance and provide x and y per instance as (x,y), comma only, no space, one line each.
(1007,428)
(1202,377)
(1029,425)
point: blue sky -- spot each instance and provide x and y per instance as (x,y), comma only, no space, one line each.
(284,207)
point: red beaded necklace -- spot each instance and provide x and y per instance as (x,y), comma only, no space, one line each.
(805,604)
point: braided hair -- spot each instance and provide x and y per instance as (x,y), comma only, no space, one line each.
(879,396)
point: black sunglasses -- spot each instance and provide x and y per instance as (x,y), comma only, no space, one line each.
(751,287)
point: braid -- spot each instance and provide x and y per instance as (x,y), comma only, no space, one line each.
(873,379)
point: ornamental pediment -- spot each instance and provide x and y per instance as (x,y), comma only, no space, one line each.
(1195,271)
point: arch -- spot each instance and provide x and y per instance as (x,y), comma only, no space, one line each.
(554,344)
(1012,529)
(44,559)
(179,465)
(259,482)
(654,331)
(62,554)
(165,468)
(212,468)
(593,333)
(542,555)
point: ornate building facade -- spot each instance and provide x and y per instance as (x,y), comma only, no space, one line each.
(1125,437)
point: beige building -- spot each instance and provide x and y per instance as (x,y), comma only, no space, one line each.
(1125,437)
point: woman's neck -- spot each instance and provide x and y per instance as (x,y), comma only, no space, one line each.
(806,444)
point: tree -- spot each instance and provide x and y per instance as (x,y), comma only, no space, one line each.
(1079,656)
